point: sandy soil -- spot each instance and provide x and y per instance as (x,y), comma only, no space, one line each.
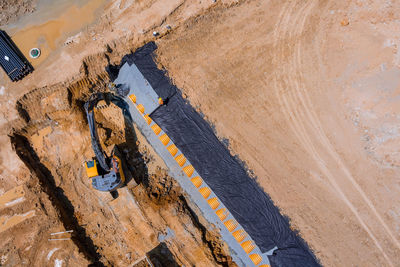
(50,140)
(113,232)
(307,93)
(11,10)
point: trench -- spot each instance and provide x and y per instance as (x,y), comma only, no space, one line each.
(226,175)
(217,254)
(57,197)
(167,191)
(138,168)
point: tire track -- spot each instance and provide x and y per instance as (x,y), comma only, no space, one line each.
(297,107)
(316,125)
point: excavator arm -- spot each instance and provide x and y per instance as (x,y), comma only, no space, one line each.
(108,175)
(101,156)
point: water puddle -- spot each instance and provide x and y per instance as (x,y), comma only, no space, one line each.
(52,22)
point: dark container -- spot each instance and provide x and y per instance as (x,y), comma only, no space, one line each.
(12,61)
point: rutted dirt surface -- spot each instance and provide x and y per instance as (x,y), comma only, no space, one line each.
(10,10)
(307,93)
(108,231)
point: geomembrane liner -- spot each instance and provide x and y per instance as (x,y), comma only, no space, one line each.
(226,176)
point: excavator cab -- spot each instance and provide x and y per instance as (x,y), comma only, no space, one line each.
(91,168)
(106,172)
(106,180)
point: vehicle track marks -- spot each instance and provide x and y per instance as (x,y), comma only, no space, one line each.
(290,89)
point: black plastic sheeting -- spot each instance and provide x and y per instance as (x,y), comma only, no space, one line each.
(226,176)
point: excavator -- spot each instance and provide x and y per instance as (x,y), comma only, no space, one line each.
(106,171)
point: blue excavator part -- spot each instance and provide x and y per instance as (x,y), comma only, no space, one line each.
(105,171)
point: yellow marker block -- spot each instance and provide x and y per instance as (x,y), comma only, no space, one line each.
(197,181)
(213,202)
(164,139)
(188,170)
(180,159)
(222,214)
(132,97)
(264,265)
(160,101)
(231,225)
(239,235)
(147,119)
(172,149)
(205,192)
(140,107)
(156,129)
(255,258)
(248,246)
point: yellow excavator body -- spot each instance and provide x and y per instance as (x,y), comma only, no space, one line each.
(121,172)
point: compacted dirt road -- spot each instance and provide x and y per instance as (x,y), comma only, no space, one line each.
(306,93)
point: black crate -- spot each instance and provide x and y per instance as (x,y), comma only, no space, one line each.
(13,62)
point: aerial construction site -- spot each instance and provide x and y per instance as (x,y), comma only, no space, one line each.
(199,133)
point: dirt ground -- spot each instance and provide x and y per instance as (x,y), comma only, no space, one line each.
(11,10)
(306,93)
(107,231)
(45,139)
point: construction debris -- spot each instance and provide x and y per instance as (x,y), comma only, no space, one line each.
(59,233)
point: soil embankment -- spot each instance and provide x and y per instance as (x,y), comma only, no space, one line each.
(225,175)
(42,118)
(108,231)
(304,92)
